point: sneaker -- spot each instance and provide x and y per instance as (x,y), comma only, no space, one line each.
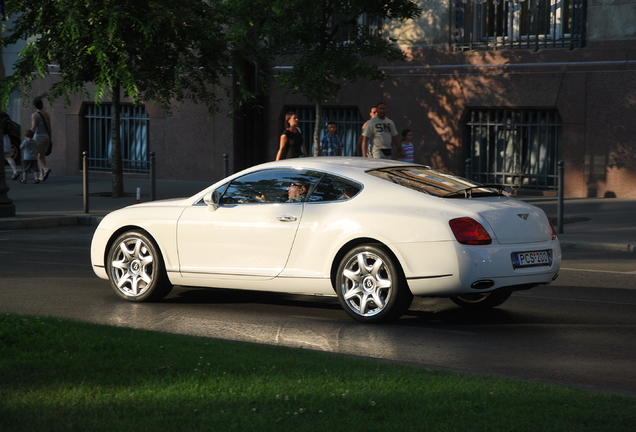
(15,175)
(46,174)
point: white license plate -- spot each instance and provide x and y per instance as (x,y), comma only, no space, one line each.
(532,259)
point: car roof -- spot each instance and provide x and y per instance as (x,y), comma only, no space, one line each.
(336,164)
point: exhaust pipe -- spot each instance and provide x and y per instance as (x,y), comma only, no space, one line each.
(482,284)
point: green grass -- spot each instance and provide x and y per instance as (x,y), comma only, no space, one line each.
(59,375)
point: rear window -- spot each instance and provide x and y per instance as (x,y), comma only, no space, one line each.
(434,182)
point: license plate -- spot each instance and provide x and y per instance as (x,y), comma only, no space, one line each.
(532,259)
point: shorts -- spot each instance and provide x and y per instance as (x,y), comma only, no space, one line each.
(30,166)
(381,153)
(7,144)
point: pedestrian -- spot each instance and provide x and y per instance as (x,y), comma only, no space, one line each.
(407,145)
(372,114)
(378,136)
(5,129)
(330,144)
(291,141)
(41,126)
(29,157)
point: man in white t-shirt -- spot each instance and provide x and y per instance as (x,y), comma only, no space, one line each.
(378,135)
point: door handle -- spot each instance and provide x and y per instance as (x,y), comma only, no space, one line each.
(287,218)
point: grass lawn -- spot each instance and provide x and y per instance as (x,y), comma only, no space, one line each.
(60,375)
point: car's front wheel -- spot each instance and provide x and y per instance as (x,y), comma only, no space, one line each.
(135,268)
(371,287)
(482,300)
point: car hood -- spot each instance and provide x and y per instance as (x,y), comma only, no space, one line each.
(159,203)
(511,220)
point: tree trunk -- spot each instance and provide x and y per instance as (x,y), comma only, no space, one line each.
(317,128)
(115,135)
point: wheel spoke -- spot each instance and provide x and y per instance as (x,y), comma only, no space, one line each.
(354,277)
(353,292)
(364,304)
(120,264)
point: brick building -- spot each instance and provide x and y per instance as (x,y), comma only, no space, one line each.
(514,86)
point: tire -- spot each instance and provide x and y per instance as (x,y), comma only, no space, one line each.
(371,286)
(136,270)
(482,300)
(15,151)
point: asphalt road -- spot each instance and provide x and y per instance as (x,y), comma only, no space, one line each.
(579,331)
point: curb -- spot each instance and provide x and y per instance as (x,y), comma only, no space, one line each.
(619,247)
(47,222)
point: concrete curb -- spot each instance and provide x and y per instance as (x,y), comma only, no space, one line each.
(619,247)
(7,224)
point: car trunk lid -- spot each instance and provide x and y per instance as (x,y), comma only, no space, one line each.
(511,220)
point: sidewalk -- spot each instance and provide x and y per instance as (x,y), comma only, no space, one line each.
(592,223)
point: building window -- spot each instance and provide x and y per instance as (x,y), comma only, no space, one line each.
(347,28)
(519,148)
(134,138)
(348,120)
(528,24)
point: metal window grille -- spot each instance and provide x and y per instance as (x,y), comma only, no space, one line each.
(515,147)
(348,29)
(348,120)
(527,24)
(134,138)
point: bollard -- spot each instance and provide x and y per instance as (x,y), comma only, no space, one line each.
(138,195)
(85,179)
(153,178)
(468,168)
(226,165)
(560,200)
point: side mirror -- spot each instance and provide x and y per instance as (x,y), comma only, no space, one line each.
(212,200)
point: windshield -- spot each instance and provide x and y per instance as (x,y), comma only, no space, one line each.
(434,182)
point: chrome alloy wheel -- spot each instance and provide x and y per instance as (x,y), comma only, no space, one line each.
(135,268)
(132,265)
(367,283)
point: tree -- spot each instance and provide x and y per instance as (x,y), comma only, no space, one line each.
(148,50)
(328,42)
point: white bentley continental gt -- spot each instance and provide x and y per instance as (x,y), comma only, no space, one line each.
(373,232)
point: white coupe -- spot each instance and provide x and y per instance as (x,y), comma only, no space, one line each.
(373,232)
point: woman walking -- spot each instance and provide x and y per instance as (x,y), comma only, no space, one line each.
(41,125)
(291,141)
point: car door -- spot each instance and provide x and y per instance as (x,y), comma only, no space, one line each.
(243,235)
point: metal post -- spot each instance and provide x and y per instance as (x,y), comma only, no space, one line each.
(226,165)
(560,203)
(153,177)
(468,168)
(85,179)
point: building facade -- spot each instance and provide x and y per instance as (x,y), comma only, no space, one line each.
(499,90)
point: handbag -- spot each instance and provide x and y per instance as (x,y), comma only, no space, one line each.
(50,147)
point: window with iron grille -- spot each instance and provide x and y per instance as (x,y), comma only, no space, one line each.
(347,28)
(529,24)
(134,138)
(515,147)
(348,122)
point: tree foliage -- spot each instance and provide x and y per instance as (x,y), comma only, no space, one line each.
(328,42)
(153,50)
(157,50)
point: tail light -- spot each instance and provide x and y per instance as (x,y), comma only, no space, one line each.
(470,232)
(554,233)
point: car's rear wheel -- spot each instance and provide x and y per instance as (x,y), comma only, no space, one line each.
(371,287)
(135,268)
(482,300)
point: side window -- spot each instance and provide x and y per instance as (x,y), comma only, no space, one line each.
(332,188)
(271,186)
